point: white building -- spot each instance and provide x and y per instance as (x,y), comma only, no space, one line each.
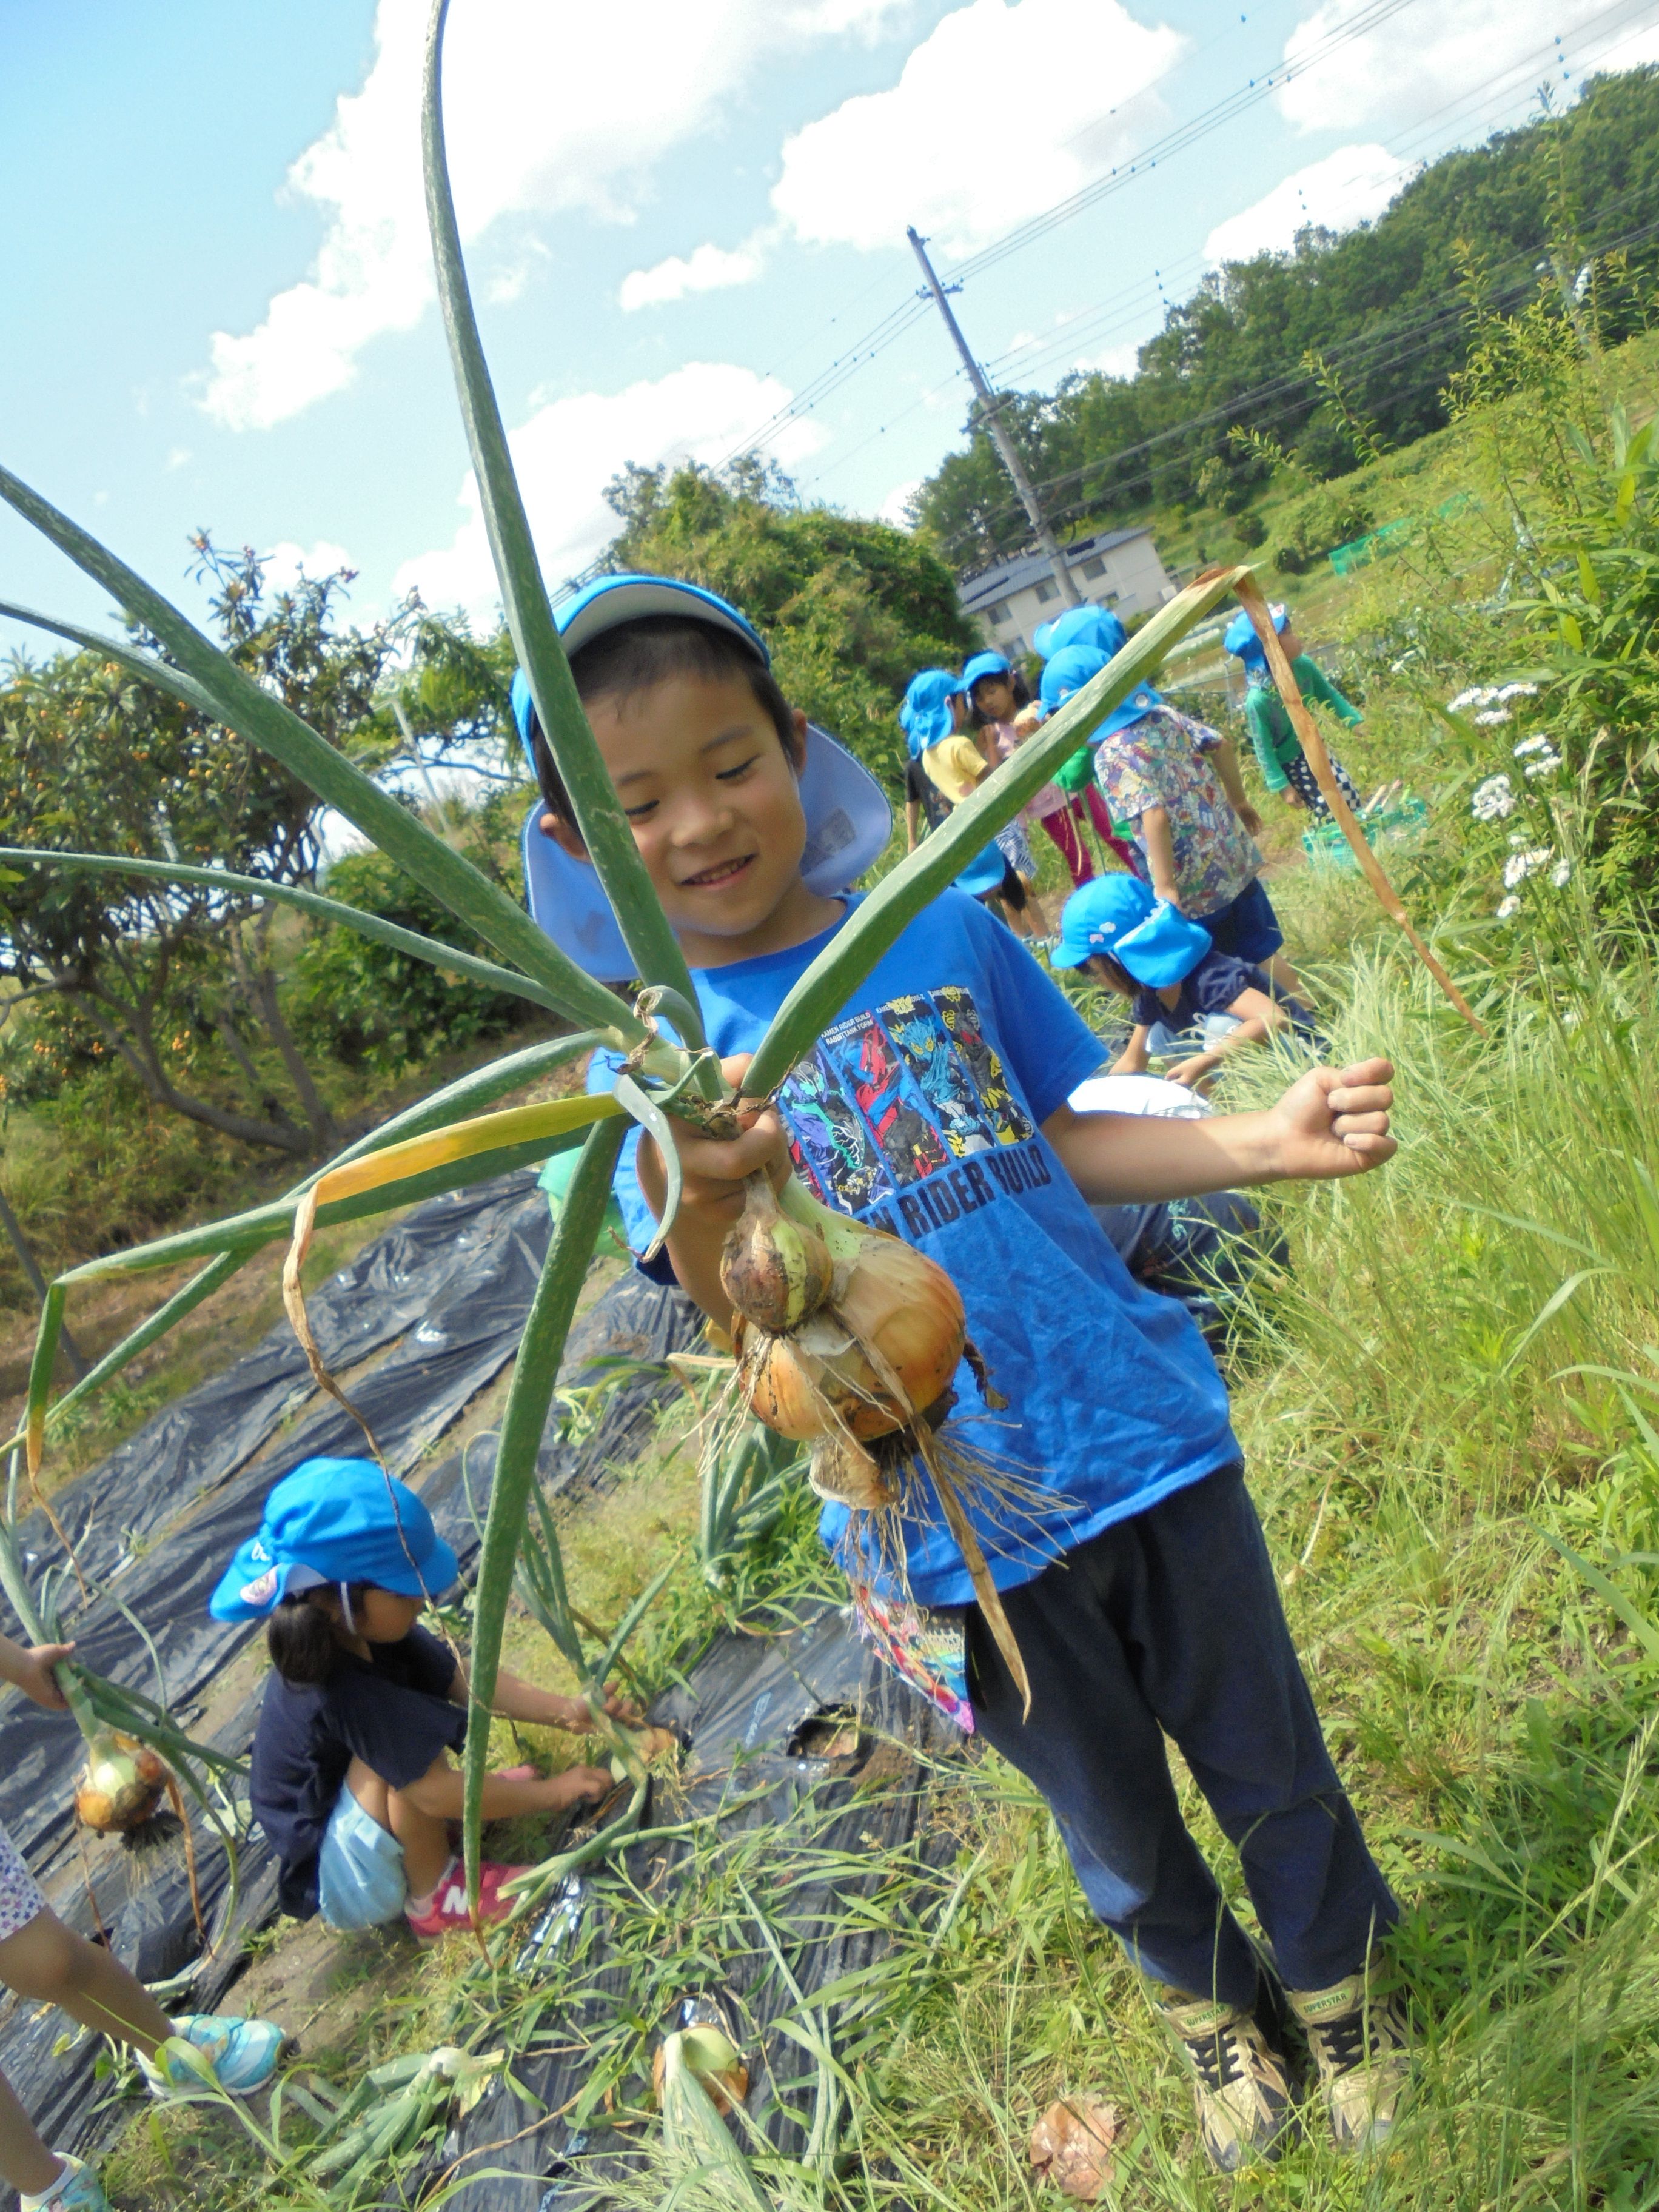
(1116,568)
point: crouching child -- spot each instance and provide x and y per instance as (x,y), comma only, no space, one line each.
(353,1779)
(1132,1571)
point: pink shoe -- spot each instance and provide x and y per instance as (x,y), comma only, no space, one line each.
(447,1910)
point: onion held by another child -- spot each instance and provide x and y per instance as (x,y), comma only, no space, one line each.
(122,1785)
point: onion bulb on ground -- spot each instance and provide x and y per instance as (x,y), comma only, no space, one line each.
(708,2053)
(122,1785)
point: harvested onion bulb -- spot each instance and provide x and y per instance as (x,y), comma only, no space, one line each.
(122,1785)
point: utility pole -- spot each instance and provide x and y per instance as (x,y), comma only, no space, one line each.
(987,409)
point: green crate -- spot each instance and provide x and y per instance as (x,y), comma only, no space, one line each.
(1327,848)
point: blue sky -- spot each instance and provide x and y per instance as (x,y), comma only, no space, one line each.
(219,300)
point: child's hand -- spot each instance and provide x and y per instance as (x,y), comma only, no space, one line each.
(1192,1072)
(1334,1122)
(713,1169)
(32,1674)
(579,1785)
(1250,819)
(573,1712)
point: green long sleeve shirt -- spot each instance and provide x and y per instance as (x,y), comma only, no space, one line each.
(1271,732)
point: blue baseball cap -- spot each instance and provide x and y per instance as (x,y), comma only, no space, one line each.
(335,1521)
(1074,665)
(1120,916)
(849,819)
(1096,626)
(983,664)
(925,714)
(1240,638)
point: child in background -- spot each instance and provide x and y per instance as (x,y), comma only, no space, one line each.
(933,717)
(996,694)
(43,1961)
(352,1779)
(1135,1576)
(1279,751)
(1177,782)
(1176,982)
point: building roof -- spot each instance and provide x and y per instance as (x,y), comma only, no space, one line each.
(1007,577)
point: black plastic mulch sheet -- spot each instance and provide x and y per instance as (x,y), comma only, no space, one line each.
(447,1290)
(808,1731)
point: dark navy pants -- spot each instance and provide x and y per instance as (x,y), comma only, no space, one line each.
(1169,1622)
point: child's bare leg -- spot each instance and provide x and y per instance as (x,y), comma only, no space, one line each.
(1286,977)
(424,1837)
(51,1964)
(25,2161)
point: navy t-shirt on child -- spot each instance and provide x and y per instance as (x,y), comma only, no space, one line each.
(391,1711)
(921,1111)
(1211,988)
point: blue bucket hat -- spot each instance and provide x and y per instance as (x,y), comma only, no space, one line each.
(1074,665)
(335,1521)
(1240,638)
(848,819)
(1120,916)
(983,664)
(924,716)
(1096,626)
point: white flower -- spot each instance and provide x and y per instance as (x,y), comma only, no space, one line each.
(1491,715)
(1538,745)
(1561,873)
(1492,799)
(1516,692)
(1509,906)
(1520,866)
(1477,695)
(1546,766)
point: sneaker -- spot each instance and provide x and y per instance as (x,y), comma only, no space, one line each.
(77,2189)
(1360,2040)
(1241,2079)
(447,1910)
(211,2050)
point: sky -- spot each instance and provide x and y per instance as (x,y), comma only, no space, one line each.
(685,231)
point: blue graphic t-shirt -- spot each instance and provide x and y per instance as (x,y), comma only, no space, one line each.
(919,1110)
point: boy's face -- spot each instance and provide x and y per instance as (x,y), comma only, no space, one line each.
(1290,641)
(714,807)
(1109,973)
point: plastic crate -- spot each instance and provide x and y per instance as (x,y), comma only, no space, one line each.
(1327,848)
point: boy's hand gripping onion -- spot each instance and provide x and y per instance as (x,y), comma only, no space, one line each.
(846,1338)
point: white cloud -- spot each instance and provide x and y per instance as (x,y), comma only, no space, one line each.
(1348,187)
(708,269)
(912,154)
(569,449)
(1419,62)
(1122,360)
(896,507)
(286,562)
(537,122)
(177,457)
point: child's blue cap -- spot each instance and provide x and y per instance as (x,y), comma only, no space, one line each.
(983,664)
(1074,665)
(1096,626)
(848,819)
(925,715)
(1240,638)
(1119,915)
(335,1521)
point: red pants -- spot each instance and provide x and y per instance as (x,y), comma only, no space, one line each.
(1062,826)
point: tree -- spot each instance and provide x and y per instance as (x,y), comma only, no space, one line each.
(180,984)
(851,610)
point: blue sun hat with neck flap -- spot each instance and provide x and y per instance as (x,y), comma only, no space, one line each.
(1240,638)
(1096,626)
(924,716)
(335,1521)
(1074,665)
(1118,915)
(848,820)
(983,664)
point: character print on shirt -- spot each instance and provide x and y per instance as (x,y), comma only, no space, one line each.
(898,1114)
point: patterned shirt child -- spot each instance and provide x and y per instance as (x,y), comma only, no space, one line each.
(1158,761)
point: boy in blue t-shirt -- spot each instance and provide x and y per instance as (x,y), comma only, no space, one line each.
(1138,1583)
(1176,980)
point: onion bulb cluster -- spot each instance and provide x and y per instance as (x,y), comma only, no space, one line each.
(121,1786)
(843,1334)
